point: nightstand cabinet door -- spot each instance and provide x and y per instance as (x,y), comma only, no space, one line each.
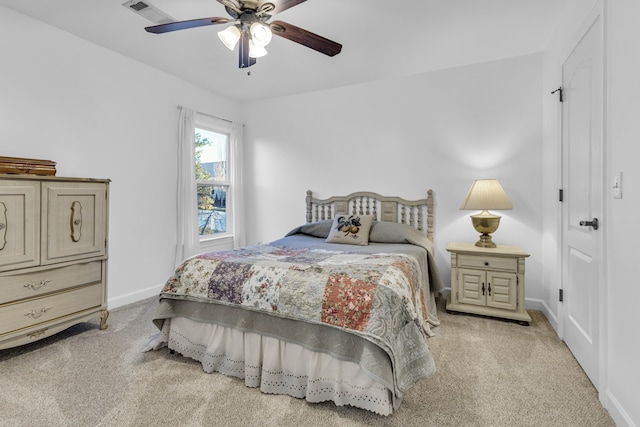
(502,290)
(491,288)
(472,287)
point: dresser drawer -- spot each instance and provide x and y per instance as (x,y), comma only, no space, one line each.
(34,311)
(488,262)
(16,285)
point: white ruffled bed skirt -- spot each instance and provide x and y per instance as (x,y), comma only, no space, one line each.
(276,366)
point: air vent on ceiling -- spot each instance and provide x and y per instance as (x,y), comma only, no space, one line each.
(148,12)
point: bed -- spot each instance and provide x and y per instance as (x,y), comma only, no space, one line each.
(339,309)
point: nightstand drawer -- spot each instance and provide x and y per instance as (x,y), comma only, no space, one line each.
(488,262)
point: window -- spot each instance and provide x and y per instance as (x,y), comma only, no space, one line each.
(213,181)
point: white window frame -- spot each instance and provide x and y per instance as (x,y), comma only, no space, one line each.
(219,240)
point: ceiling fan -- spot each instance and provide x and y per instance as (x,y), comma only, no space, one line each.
(251,29)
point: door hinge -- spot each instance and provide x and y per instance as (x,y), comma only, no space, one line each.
(561,195)
(559,90)
(560,295)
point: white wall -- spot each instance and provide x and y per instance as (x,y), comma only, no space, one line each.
(623,348)
(438,130)
(621,372)
(99,114)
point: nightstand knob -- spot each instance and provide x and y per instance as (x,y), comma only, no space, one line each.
(486,263)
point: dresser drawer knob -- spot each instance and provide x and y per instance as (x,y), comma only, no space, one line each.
(76,221)
(3,225)
(38,333)
(486,263)
(36,314)
(35,286)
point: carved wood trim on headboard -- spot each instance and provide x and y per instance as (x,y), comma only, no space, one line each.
(418,214)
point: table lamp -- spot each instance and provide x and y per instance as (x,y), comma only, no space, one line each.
(486,194)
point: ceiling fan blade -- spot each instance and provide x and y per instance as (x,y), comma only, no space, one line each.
(305,38)
(280,5)
(183,25)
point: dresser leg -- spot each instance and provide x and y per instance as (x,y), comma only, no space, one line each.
(103,319)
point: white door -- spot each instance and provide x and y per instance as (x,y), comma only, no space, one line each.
(582,176)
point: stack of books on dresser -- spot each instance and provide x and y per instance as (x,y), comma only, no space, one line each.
(18,165)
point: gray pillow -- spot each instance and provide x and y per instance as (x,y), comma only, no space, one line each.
(315,229)
(391,232)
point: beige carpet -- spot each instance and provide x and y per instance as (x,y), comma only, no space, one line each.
(489,373)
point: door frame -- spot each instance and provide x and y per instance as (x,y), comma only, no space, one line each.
(598,12)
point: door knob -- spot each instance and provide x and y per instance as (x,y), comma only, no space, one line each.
(593,223)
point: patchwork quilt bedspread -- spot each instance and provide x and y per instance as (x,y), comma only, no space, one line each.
(377,296)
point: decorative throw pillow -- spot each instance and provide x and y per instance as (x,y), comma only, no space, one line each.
(350,229)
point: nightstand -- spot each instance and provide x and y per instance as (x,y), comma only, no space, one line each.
(488,281)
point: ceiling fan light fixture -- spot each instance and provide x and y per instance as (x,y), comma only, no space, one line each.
(260,34)
(249,28)
(256,51)
(230,36)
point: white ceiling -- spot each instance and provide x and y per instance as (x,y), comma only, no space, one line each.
(381,39)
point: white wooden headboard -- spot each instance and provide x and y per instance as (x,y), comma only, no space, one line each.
(383,208)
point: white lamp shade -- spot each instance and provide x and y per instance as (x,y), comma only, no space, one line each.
(486,194)
(230,36)
(260,34)
(256,51)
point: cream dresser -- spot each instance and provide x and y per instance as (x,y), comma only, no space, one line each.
(488,281)
(53,255)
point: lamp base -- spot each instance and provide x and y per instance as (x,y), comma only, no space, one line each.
(485,223)
(485,241)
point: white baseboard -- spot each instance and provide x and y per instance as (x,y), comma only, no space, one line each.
(540,305)
(617,412)
(611,404)
(531,304)
(134,297)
